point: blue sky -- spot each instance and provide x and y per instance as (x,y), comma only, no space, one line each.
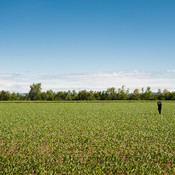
(87,44)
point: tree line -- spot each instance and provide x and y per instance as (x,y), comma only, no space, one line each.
(112,93)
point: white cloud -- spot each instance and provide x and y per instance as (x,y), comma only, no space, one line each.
(101,81)
(90,81)
(9,76)
(172,71)
(13,82)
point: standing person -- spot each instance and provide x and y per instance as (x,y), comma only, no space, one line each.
(159,104)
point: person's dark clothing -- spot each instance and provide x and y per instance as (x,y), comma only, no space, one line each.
(159,107)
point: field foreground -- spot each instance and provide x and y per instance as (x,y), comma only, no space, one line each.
(87,138)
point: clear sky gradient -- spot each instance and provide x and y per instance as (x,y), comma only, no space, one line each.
(87,44)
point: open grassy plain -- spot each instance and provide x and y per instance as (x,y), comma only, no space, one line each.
(87,138)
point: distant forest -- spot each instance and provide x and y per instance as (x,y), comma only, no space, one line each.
(112,93)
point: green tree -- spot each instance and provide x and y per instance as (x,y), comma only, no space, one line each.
(69,95)
(136,94)
(74,95)
(35,91)
(43,96)
(111,93)
(173,95)
(83,95)
(50,95)
(13,96)
(159,94)
(103,95)
(148,94)
(166,94)
(90,95)
(122,93)
(5,95)
(97,95)
(20,96)
(60,95)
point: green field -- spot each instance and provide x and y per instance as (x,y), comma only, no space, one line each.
(87,138)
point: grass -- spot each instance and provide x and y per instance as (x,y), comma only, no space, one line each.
(87,138)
